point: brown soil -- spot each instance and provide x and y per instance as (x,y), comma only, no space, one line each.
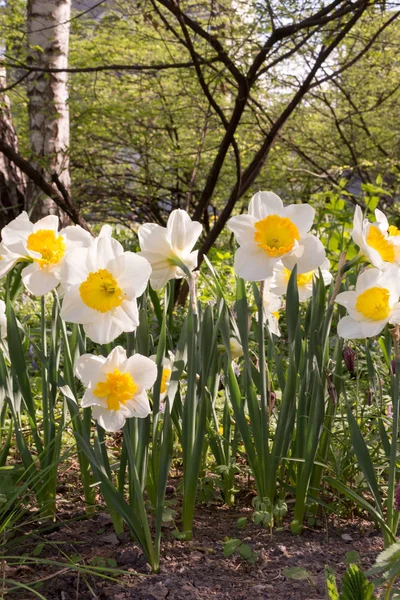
(195,569)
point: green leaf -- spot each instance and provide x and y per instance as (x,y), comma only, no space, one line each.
(297,573)
(230,546)
(355,585)
(330,583)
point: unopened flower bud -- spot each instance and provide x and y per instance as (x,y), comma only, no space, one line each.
(235,348)
(398,497)
(349,358)
(393,366)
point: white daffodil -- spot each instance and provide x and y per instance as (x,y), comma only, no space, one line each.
(271,307)
(306,269)
(167,364)
(101,285)
(3,320)
(166,247)
(373,304)
(268,233)
(43,246)
(379,242)
(116,386)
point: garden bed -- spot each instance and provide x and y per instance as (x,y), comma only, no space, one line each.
(195,569)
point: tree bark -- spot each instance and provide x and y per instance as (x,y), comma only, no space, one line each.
(48,41)
(12,181)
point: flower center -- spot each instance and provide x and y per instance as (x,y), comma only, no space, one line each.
(101,291)
(378,242)
(47,243)
(276,235)
(117,389)
(302,279)
(374,303)
(165,377)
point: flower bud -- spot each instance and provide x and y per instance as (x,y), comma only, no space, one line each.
(349,358)
(398,497)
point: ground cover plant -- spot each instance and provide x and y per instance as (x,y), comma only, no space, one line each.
(280,379)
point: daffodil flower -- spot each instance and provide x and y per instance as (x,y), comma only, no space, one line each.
(268,233)
(101,284)
(42,246)
(169,249)
(167,364)
(373,304)
(307,268)
(379,242)
(116,386)
(272,304)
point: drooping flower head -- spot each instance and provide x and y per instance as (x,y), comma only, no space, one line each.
(167,364)
(3,320)
(41,245)
(268,233)
(306,269)
(272,304)
(373,304)
(379,242)
(166,247)
(101,285)
(116,386)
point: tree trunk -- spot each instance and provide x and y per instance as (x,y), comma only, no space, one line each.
(12,181)
(48,40)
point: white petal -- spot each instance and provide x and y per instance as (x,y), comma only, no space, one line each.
(50,222)
(38,281)
(103,250)
(142,369)
(89,399)
(104,329)
(308,255)
(253,264)
(74,269)
(15,234)
(349,329)
(87,367)
(357,227)
(115,360)
(153,238)
(106,231)
(132,272)
(109,420)
(381,221)
(139,406)
(126,316)
(263,204)
(76,237)
(368,278)
(302,215)
(347,299)
(182,232)
(75,310)
(243,228)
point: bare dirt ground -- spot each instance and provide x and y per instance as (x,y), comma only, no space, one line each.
(191,570)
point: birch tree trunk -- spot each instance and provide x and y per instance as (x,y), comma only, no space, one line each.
(12,181)
(48,41)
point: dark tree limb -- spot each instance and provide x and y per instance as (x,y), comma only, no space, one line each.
(60,195)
